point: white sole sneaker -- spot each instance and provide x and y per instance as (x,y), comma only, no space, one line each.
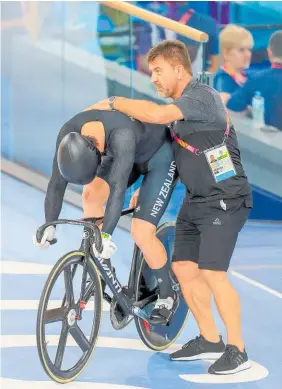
(199,356)
(246,365)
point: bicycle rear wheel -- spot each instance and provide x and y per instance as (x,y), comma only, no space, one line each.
(58,319)
(159,337)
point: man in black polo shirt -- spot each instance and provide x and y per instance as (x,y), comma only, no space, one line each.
(216,207)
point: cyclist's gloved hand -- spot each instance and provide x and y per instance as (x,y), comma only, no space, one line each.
(47,237)
(109,248)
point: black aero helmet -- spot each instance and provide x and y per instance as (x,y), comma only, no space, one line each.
(78,158)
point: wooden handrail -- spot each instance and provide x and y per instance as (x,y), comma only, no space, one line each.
(162,21)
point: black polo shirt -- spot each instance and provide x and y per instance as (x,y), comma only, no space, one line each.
(203,127)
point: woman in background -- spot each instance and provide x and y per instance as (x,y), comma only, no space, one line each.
(236,44)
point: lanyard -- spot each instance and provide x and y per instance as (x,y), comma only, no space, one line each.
(276,66)
(183,20)
(234,76)
(193,149)
(186,17)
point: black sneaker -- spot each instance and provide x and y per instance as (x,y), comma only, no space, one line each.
(232,361)
(199,348)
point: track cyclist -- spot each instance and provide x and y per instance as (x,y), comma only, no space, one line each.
(106,152)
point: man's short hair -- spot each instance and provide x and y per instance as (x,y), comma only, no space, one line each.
(173,51)
(275,44)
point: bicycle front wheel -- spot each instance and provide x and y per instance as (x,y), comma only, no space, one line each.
(159,337)
(65,341)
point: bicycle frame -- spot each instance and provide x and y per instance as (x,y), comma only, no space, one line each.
(92,232)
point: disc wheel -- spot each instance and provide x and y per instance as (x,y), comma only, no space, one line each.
(159,337)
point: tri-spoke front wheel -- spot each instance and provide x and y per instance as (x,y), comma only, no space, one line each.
(65,339)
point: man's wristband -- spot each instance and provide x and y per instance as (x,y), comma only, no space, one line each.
(111,101)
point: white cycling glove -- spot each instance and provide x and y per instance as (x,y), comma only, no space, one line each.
(47,237)
(109,248)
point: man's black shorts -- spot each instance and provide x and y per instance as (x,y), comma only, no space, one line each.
(207,232)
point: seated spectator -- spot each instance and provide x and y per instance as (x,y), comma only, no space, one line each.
(148,35)
(208,25)
(268,82)
(236,44)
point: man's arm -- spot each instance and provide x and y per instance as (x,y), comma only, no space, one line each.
(147,111)
(239,101)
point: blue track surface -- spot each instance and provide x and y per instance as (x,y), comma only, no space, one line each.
(258,256)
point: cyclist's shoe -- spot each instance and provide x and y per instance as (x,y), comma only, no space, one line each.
(199,348)
(163,310)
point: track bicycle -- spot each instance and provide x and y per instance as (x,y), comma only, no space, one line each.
(92,276)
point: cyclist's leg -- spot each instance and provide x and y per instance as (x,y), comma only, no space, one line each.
(94,197)
(155,193)
(96,194)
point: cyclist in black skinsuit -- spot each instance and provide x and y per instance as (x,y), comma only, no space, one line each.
(115,158)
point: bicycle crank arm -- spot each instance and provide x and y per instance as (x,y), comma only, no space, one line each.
(107,298)
(148,300)
(138,312)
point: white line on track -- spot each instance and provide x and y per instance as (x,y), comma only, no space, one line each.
(256,283)
(257,267)
(7,383)
(12,305)
(12,267)
(105,342)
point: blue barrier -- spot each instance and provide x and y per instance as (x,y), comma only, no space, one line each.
(267,206)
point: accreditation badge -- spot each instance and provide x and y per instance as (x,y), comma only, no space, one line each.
(220,163)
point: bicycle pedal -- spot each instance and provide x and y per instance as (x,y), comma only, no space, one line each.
(165,315)
(163,319)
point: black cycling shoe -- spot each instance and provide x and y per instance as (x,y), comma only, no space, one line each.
(163,310)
